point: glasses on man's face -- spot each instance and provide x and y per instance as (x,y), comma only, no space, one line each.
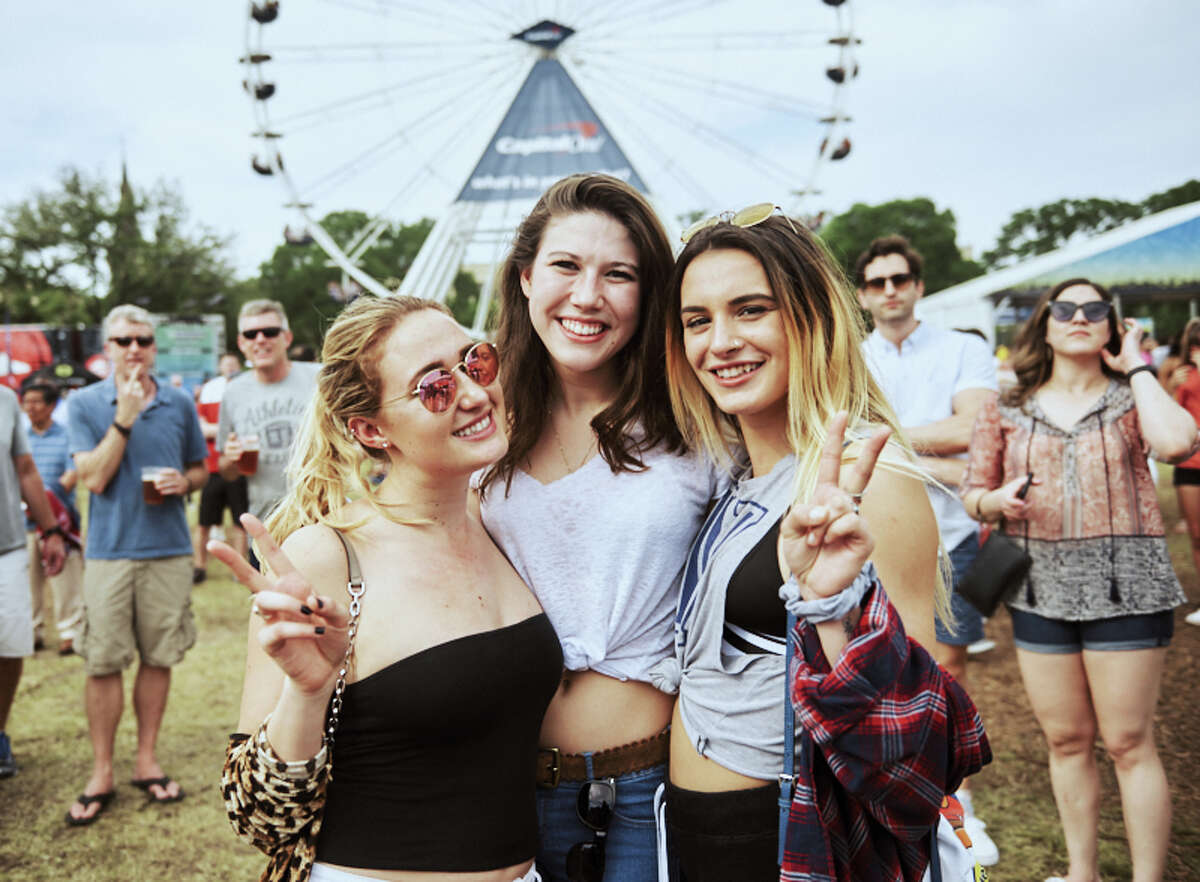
(747,217)
(1094,310)
(438,388)
(126,342)
(594,805)
(899,281)
(269,333)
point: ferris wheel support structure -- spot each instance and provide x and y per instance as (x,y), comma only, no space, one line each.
(706,104)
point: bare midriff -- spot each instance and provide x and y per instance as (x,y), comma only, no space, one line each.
(592,712)
(691,771)
(506,874)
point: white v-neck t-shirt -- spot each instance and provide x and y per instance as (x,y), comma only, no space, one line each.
(604,553)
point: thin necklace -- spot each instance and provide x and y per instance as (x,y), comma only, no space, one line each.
(562,451)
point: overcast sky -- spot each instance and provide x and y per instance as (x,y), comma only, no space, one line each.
(985,106)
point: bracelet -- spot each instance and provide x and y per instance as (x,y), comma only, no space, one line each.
(50,531)
(833,608)
(1140,367)
(124,430)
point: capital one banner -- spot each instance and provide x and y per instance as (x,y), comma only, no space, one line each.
(550,131)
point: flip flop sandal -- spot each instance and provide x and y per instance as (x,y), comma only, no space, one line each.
(85,800)
(144,784)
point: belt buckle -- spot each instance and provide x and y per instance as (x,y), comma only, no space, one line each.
(555,765)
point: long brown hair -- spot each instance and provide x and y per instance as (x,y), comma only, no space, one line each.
(1032,357)
(528,378)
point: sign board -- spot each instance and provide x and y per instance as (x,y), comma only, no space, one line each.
(549,132)
(189,348)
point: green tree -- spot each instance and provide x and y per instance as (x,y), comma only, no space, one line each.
(299,276)
(69,254)
(931,232)
(1181,195)
(1034,231)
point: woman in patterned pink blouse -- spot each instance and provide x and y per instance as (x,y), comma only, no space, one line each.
(1093,620)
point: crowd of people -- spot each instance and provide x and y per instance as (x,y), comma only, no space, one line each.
(658,584)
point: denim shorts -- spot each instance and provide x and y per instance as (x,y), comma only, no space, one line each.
(968,621)
(630,852)
(1035,633)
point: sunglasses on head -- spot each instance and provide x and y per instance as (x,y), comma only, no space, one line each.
(1094,310)
(594,805)
(899,281)
(143,341)
(438,388)
(747,217)
(269,333)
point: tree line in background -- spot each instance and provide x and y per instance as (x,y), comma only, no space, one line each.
(67,255)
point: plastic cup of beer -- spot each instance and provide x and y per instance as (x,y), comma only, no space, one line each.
(150,493)
(247,463)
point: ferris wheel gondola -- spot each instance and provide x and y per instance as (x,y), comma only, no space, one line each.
(402,109)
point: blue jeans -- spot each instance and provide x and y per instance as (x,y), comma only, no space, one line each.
(630,853)
(968,621)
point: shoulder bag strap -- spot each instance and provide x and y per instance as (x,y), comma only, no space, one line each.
(787,780)
(356,588)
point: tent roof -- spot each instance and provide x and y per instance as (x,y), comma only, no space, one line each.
(995,285)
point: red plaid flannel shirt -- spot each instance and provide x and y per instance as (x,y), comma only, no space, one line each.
(883,736)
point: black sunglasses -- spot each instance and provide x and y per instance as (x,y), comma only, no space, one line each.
(899,281)
(123,342)
(269,333)
(594,805)
(1094,310)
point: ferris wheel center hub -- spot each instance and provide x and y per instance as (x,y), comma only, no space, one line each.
(546,34)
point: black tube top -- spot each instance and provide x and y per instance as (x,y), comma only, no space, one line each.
(433,764)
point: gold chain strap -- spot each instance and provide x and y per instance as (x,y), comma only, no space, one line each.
(356,589)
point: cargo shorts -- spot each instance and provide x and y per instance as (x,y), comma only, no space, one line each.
(141,607)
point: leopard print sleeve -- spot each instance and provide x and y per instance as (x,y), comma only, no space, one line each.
(275,805)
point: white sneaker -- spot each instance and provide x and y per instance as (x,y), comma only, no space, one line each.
(1193,618)
(981,646)
(982,847)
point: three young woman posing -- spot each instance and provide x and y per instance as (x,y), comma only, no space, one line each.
(596,502)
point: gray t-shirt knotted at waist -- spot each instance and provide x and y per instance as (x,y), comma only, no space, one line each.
(730,701)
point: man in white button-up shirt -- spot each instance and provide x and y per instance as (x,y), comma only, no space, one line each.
(936,380)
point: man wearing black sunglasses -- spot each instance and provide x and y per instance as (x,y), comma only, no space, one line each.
(138,449)
(936,381)
(264,404)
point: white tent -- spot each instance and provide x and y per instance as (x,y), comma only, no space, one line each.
(1163,248)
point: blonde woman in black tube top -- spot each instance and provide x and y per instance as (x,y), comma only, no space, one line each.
(453,660)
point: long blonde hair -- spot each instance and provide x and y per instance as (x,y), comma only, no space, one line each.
(328,468)
(824,329)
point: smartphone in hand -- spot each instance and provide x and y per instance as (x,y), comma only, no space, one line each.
(1025,487)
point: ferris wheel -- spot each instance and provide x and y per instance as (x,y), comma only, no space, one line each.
(466,111)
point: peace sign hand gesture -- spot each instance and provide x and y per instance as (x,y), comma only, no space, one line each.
(824,542)
(305,634)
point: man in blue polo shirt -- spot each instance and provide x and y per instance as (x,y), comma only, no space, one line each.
(129,431)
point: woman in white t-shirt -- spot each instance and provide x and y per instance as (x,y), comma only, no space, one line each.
(595,504)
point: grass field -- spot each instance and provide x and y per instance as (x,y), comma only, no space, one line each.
(137,841)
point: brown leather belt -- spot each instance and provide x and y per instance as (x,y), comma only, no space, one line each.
(554,766)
